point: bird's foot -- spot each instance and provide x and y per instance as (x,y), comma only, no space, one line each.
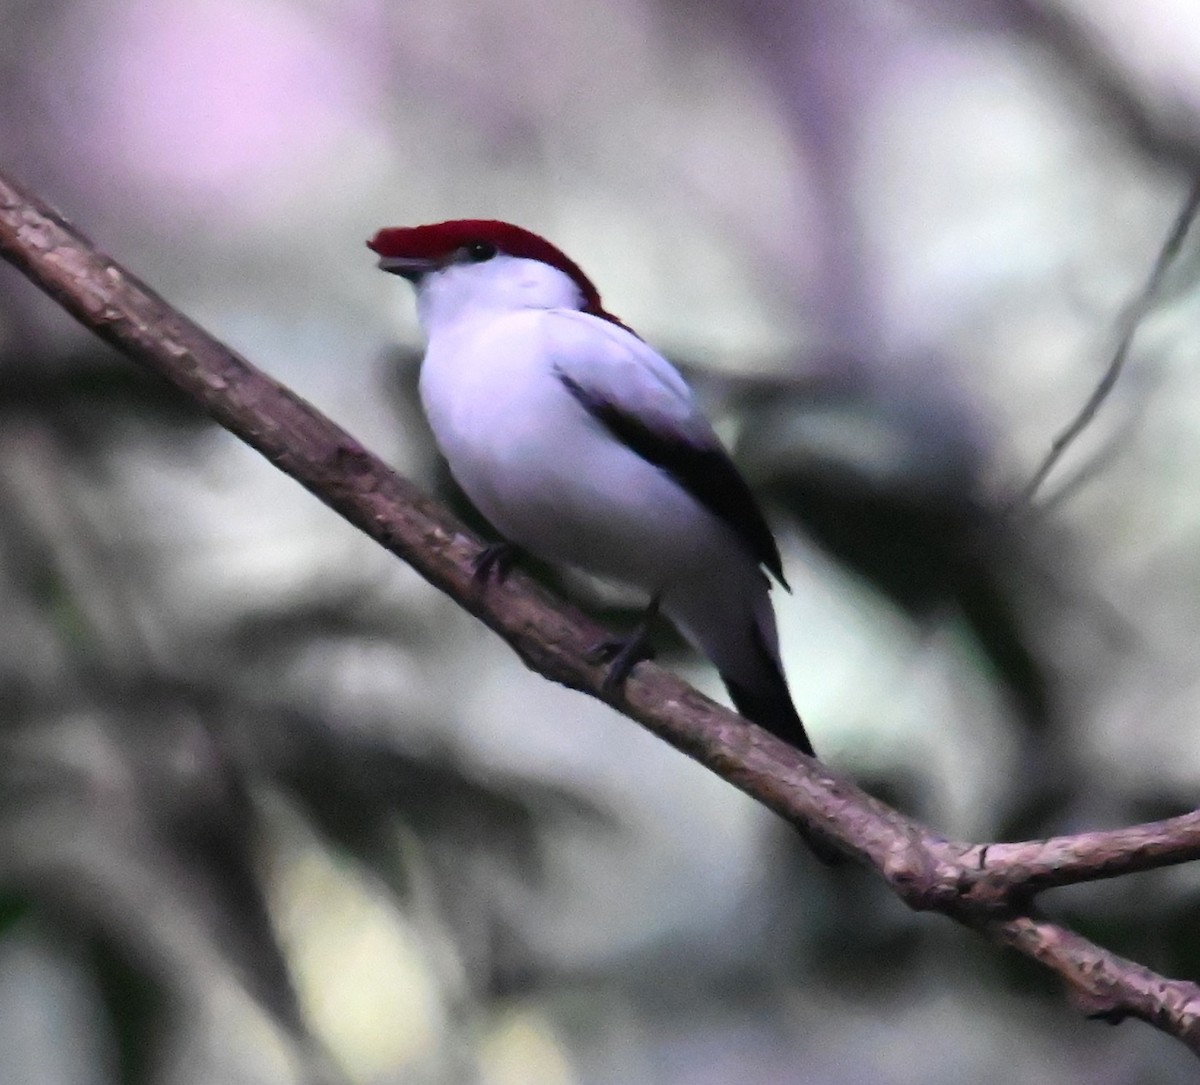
(494,560)
(622,654)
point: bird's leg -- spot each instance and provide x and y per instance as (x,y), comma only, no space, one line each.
(624,653)
(495,559)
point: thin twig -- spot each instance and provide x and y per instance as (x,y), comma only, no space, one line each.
(1033,865)
(986,888)
(1130,322)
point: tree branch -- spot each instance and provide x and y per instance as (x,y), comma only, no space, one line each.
(988,888)
(1002,870)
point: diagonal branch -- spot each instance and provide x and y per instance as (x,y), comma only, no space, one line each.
(1103,985)
(987,888)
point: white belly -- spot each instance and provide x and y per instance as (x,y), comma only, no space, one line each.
(550,477)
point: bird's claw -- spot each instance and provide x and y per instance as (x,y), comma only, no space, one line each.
(622,655)
(604,651)
(496,559)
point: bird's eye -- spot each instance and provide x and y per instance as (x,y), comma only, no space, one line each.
(478,251)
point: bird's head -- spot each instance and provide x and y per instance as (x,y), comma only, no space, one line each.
(470,267)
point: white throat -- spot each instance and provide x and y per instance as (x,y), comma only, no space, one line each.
(462,293)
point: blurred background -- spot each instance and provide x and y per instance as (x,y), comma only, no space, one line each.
(272,810)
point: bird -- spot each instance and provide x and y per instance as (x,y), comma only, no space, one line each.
(585,447)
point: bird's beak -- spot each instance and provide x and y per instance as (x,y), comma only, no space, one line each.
(407,267)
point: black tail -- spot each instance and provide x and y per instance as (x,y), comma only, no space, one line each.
(768,703)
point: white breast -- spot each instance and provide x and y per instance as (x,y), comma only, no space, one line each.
(548,475)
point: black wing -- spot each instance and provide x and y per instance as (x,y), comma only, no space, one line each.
(704,470)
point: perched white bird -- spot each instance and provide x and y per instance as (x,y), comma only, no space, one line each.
(584,447)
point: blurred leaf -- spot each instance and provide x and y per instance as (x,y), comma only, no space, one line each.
(87,392)
(919,535)
(139,1008)
(14,907)
(1181,945)
(357,788)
